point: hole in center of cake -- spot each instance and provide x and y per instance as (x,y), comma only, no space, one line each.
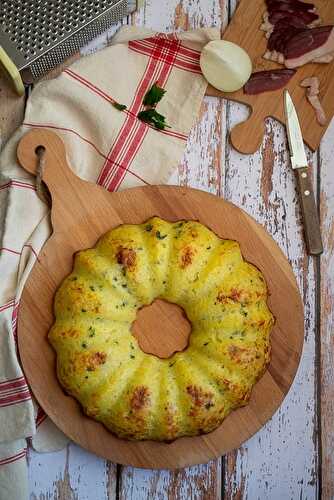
(162,328)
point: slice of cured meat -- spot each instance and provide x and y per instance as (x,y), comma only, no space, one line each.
(297,4)
(306,16)
(265,81)
(273,55)
(285,23)
(306,46)
(294,34)
(281,35)
(324,59)
(312,94)
(302,47)
(275,5)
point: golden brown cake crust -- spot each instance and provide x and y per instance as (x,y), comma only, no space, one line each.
(137,395)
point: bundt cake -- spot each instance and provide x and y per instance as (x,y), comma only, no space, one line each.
(138,395)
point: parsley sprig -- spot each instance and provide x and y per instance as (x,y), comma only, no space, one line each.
(154,118)
(151,115)
(117,105)
(154,95)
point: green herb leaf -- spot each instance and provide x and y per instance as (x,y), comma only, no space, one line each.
(91,331)
(154,95)
(148,227)
(117,105)
(160,236)
(154,118)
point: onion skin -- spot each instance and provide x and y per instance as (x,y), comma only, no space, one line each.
(225,65)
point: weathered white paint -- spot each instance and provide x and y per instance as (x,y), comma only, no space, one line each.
(280,461)
(327,312)
(11,110)
(200,168)
(70,474)
(185,14)
(194,483)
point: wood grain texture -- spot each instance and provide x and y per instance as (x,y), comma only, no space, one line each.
(281,461)
(244,31)
(171,322)
(309,210)
(70,474)
(201,168)
(81,213)
(194,483)
(326,314)
(11,110)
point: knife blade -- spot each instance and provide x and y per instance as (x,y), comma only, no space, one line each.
(300,164)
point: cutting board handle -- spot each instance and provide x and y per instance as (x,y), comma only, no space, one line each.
(244,130)
(67,190)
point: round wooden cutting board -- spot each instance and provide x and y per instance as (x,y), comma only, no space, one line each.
(81,213)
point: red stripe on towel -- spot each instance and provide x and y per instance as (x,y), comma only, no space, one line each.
(13,458)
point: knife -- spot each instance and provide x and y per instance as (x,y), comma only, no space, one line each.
(300,165)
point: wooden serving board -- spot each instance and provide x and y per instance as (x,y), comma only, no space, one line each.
(244,30)
(81,213)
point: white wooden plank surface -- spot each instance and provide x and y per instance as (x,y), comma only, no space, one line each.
(11,110)
(201,168)
(70,474)
(279,462)
(326,314)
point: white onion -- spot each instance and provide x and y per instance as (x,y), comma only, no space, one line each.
(225,65)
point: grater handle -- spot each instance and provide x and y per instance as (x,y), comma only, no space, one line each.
(69,193)
(10,70)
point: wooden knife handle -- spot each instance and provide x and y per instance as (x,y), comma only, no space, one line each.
(309,210)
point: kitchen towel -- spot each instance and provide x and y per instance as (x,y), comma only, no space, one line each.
(104,145)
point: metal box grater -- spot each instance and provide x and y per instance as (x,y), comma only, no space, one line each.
(38,35)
